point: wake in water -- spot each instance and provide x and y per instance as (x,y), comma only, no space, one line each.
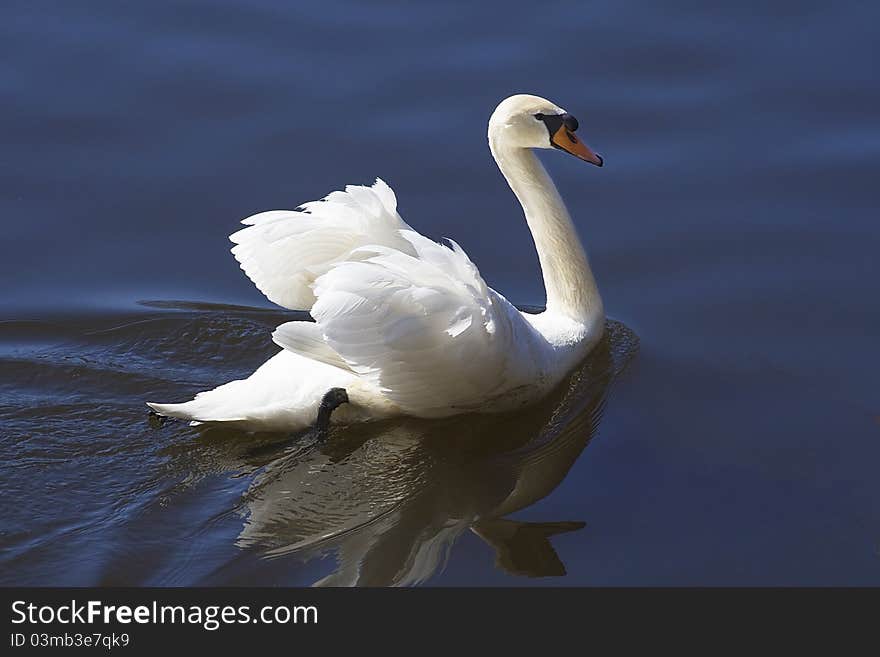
(388,499)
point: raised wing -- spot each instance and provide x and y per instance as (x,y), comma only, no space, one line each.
(284,251)
(410,315)
(422,325)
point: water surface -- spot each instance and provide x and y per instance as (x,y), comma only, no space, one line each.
(733,230)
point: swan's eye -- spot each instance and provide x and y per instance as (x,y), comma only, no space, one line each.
(539,116)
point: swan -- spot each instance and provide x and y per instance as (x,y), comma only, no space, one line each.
(404,325)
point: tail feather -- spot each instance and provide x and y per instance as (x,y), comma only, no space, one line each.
(283,394)
(222,404)
(194,412)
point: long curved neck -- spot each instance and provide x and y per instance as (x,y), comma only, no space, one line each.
(568,281)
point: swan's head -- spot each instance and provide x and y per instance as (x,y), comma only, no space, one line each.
(525,121)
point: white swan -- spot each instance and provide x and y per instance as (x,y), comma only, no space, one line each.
(404,325)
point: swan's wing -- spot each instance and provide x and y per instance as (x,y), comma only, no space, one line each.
(306,339)
(284,251)
(422,325)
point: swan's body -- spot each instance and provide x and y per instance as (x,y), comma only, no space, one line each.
(403,324)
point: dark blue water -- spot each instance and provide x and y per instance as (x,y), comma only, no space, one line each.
(734,230)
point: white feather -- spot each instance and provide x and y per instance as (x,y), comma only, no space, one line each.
(306,339)
(284,251)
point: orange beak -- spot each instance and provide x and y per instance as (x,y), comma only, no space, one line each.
(566,140)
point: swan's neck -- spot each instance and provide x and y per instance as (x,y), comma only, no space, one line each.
(568,281)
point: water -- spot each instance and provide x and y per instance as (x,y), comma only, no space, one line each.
(733,230)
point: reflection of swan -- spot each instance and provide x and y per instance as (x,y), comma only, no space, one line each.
(403,324)
(412,487)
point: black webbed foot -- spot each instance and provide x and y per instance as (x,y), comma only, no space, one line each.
(333,399)
(300,440)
